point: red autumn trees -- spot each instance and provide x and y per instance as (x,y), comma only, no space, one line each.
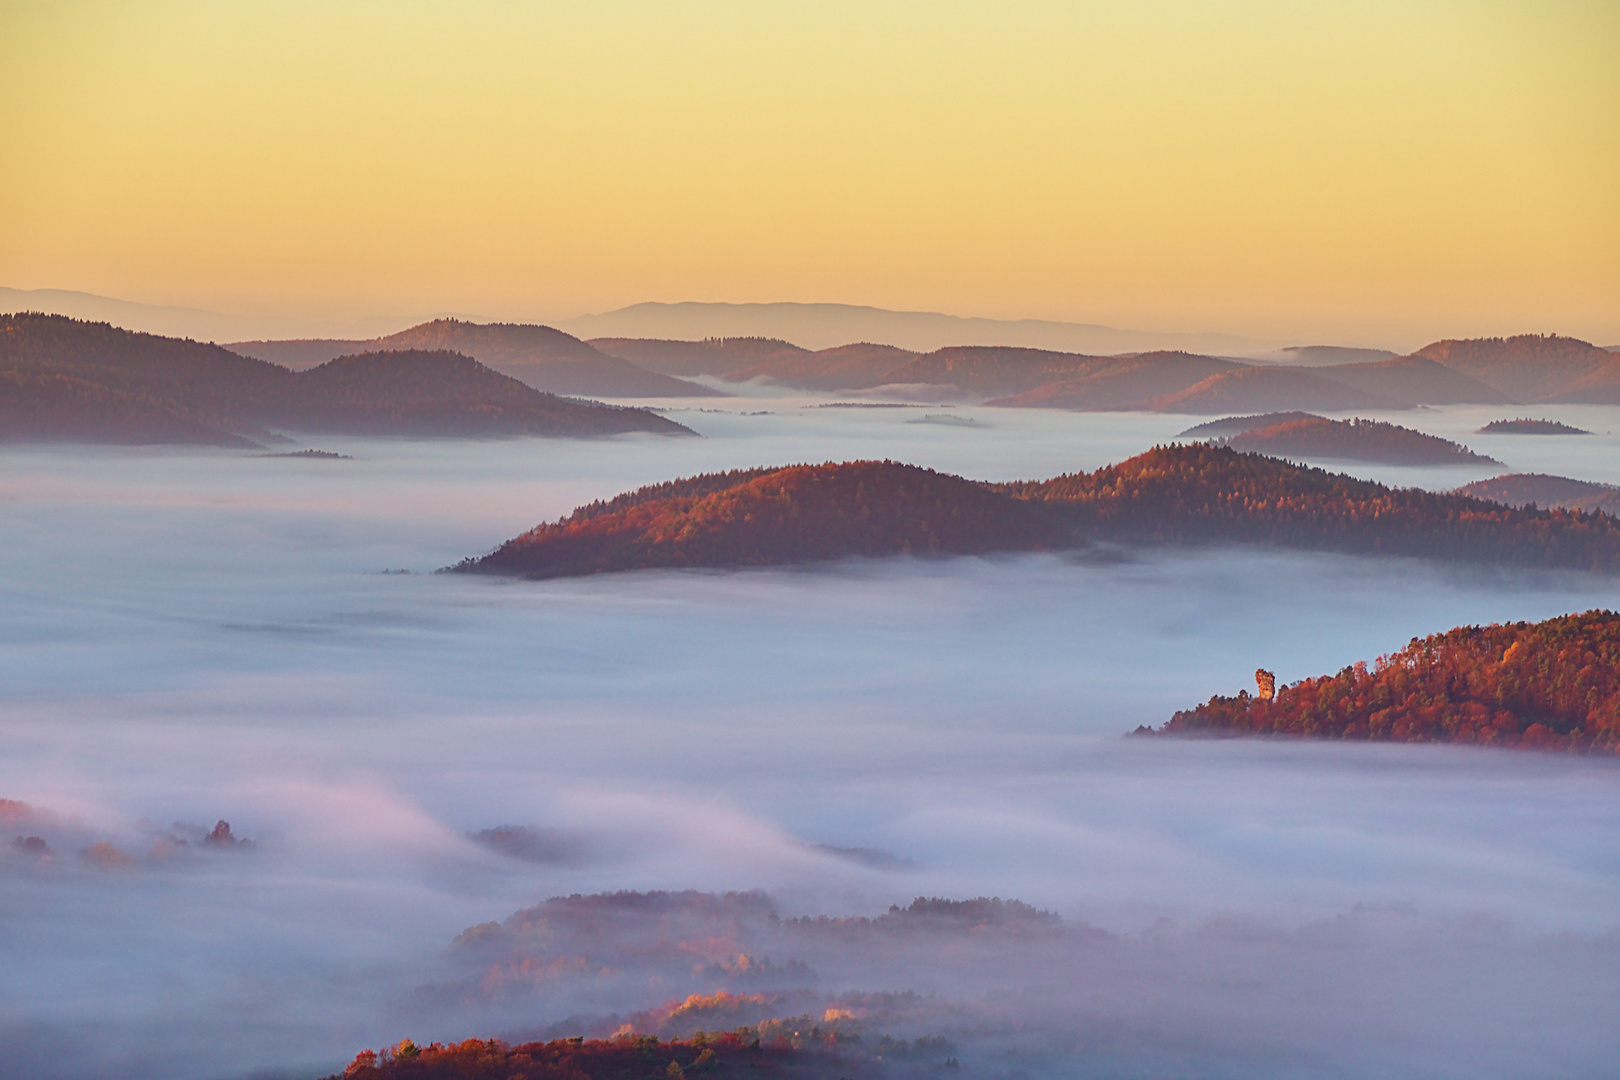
(1549,685)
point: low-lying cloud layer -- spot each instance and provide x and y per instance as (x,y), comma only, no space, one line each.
(201,638)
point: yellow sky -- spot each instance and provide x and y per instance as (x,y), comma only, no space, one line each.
(1371,171)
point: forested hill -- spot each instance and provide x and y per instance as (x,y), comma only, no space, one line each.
(1549,685)
(1197,493)
(90,382)
(806,1048)
(799,514)
(1176,494)
(1355,440)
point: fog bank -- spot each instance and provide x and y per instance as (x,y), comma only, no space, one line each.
(200,637)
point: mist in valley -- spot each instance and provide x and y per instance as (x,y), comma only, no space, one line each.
(195,637)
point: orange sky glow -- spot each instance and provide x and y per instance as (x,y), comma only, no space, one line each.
(1376,173)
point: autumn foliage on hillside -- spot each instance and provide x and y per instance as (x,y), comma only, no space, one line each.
(737,1053)
(1201,494)
(798,514)
(1551,685)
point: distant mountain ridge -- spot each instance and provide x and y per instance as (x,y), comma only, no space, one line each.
(1157,381)
(821,326)
(541,356)
(71,380)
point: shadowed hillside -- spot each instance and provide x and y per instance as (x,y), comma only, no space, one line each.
(1550,685)
(545,358)
(91,382)
(1269,389)
(1355,440)
(1414,379)
(41,407)
(187,373)
(798,514)
(414,392)
(991,371)
(1197,493)
(710,356)
(1600,386)
(1547,492)
(1124,382)
(844,367)
(1532,367)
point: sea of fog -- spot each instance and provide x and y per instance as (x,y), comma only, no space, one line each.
(201,635)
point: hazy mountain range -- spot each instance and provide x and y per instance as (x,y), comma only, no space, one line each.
(813,326)
(66,380)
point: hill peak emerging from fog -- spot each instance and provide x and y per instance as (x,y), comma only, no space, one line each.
(1183,494)
(798,514)
(1354,440)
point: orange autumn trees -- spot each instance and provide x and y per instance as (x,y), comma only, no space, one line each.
(798,514)
(1193,494)
(1185,494)
(738,1053)
(1548,685)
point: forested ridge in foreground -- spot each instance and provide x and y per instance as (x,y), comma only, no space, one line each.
(1173,494)
(1551,685)
(794,1051)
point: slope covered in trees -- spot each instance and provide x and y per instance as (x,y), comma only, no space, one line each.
(1548,685)
(1524,426)
(1237,425)
(749,1052)
(1530,367)
(1414,379)
(1123,382)
(1269,389)
(545,358)
(1198,493)
(92,382)
(46,407)
(1480,371)
(413,392)
(1355,440)
(798,514)
(844,367)
(711,356)
(1539,489)
(1187,494)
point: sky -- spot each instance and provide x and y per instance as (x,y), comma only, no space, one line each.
(1382,172)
